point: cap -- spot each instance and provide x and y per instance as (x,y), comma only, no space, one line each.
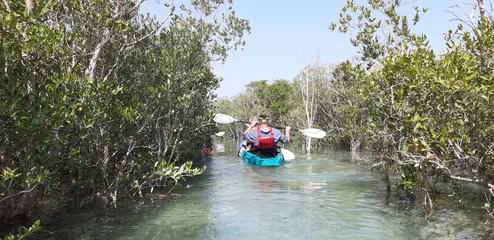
(263,118)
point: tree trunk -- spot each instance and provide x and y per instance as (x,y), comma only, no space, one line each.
(480,4)
(95,56)
(308,147)
(484,68)
(29,7)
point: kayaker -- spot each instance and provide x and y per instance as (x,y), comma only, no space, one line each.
(264,138)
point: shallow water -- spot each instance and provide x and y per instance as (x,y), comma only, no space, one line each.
(324,196)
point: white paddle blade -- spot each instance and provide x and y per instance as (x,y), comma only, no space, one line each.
(219,134)
(222,118)
(220,148)
(313,132)
(287,155)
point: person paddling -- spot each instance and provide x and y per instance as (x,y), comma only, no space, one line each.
(262,138)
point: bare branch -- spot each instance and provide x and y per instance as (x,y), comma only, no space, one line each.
(29,7)
(473,11)
(21,192)
(136,5)
(6,5)
(170,12)
(457,17)
(480,4)
(94,59)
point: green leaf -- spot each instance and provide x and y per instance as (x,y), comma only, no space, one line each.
(459,107)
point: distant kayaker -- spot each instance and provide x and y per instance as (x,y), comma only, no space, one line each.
(259,136)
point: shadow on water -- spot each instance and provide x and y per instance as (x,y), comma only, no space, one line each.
(322,196)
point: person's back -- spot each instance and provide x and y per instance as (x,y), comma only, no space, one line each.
(264,138)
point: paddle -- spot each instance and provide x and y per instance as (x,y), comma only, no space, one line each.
(310,132)
(287,155)
(219,134)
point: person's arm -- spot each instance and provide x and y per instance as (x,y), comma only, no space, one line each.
(253,123)
(287,133)
(280,137)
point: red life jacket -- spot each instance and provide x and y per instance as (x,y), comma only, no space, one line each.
(206,151)
(265,142)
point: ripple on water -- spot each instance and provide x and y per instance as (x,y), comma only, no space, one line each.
(324,197)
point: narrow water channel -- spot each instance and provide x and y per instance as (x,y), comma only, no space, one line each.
(324,196)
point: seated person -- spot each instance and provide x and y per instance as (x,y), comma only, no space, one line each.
(262,138)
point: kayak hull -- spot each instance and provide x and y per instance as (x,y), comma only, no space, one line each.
(253,159)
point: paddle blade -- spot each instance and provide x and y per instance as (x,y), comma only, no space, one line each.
(219,134)
(222,118)
(287,155)
(313,132)
(220,148)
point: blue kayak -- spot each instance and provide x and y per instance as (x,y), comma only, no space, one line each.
(253,159)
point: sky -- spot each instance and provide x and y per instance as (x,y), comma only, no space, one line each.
(289,34)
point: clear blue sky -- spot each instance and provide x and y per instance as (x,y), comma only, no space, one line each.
(288,34)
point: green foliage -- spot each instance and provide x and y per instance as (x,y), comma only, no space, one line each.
(279,104)
(93,95)
(23,233)
(429,115)
(273,99)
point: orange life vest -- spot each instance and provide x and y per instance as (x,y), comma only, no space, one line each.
(265,142)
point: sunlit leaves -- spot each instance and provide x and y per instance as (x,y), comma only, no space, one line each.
(150,99)
(428,103)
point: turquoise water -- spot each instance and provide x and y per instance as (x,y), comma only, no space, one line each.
(324,196)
